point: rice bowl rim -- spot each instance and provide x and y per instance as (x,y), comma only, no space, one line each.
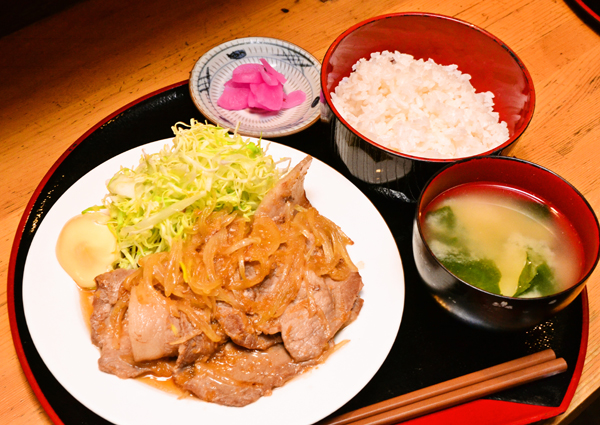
(327,94)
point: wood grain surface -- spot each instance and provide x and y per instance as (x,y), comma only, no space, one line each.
(63,74)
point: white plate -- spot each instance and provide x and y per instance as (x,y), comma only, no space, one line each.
(301,69)
(55,320)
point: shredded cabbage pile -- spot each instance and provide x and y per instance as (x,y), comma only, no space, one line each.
(204,169)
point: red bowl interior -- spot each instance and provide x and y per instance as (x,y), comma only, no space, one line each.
(493,66)
(532,179)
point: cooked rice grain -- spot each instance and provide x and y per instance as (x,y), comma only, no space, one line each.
(418,107)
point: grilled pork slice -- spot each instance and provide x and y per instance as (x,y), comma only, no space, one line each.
(241,330)
(279,202)
(116,355)
(197,348)
(235,376)
(149,330)
(264,293)
(152,328)
(323,306)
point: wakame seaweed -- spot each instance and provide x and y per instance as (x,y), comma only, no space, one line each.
(538,209)
(481,273)
(443,224)
(536,276)
(455,255)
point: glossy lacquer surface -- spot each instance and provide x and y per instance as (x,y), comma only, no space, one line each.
(414,360)
(64,74)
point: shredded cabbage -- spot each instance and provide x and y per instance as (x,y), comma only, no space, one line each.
(205,168)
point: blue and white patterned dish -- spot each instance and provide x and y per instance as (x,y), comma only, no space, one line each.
(301,69)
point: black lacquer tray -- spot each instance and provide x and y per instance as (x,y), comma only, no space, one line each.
(431,347)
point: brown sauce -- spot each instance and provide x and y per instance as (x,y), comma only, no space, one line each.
(164,384)
(86,297)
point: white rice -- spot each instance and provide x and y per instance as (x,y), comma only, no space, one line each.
(418,107)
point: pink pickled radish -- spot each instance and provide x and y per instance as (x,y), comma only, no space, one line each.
(258,86)
(231,83)
(268,78)
(252,101)
(234,98)
(269,69)
(292,99)
(247,73)
(271,97)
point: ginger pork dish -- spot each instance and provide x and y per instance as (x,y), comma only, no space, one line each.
(220,275)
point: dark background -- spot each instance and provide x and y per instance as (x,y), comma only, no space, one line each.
(18,14)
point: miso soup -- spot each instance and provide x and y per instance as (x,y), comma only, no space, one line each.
(503,240)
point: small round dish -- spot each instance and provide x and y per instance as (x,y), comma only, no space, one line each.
(215,68)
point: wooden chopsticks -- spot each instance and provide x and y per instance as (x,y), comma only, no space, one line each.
(455,391)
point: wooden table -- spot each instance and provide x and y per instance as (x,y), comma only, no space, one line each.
(62,75)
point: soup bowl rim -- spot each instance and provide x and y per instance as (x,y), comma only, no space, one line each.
(581,281)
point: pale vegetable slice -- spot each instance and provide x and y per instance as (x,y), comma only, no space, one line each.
(86,248)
